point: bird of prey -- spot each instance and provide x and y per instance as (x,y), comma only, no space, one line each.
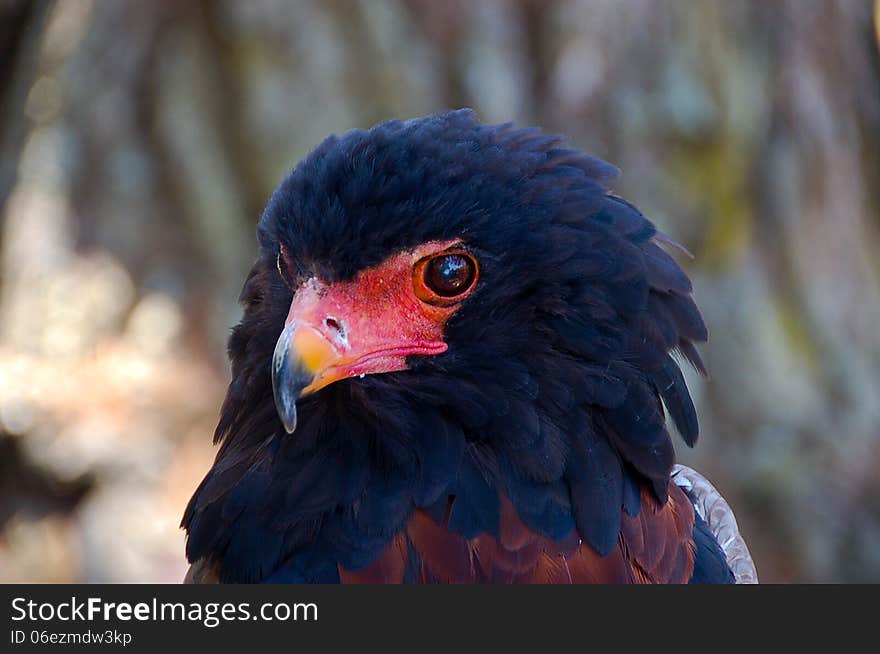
(456,359)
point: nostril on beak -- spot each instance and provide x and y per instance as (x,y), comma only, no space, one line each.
(336,327)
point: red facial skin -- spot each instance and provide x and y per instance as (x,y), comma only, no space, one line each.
(370,324)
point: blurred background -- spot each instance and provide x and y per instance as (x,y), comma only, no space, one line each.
(139,142)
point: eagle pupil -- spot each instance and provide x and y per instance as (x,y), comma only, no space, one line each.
(449,275)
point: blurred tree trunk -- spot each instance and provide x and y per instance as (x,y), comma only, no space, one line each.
(21,29)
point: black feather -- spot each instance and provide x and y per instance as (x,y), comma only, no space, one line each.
(710,564)
(670,383)
(595,480)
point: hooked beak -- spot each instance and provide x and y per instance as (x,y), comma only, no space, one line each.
(335,332)
(300,355)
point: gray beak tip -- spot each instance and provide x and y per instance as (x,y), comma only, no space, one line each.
(285,405)
(289,423)
(288,380)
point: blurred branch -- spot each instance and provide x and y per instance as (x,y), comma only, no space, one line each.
(21,28)
(365,77)
(442,25)
(183,234)
(534,21)
(230,109)
(877,22)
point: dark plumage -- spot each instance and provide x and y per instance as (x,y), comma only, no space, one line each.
(534,448)
(710,564)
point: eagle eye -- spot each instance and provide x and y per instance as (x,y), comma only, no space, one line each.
(445,278)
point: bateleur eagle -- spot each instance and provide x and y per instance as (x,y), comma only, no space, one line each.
(526,324)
